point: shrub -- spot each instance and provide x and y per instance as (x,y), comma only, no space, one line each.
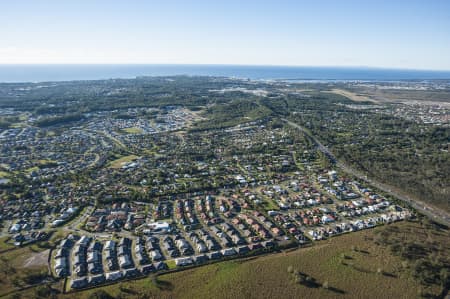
(43,291)
(100,294)
(34,276)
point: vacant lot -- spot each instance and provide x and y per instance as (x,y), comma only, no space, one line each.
(37,259)
(21,267)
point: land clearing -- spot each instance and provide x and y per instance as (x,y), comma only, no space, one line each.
(37,259)
(353,96)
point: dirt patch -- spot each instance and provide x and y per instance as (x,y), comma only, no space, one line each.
(353,96)
(37,259)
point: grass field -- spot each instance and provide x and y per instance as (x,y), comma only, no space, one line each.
(171,264)
(45,161)
(269,204)
(4,245)
(132,130)
(31,169)
(123,160)
(351,266)
(16,273)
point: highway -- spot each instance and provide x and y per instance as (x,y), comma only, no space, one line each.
(433,213)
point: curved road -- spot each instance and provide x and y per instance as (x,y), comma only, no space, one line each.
(433,213)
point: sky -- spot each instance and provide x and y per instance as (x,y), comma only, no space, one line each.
(392,34)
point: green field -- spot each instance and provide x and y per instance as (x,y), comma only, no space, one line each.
(132,130)
(5,244)
(123,160)
(269,204)
(171,264)
(31,169)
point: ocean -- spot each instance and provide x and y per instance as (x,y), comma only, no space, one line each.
(43,73)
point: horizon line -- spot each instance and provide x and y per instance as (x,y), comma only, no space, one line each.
(231,65)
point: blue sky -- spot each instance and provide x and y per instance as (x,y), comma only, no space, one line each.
(394,34)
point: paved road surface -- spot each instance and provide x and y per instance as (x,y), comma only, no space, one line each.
(433,213)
